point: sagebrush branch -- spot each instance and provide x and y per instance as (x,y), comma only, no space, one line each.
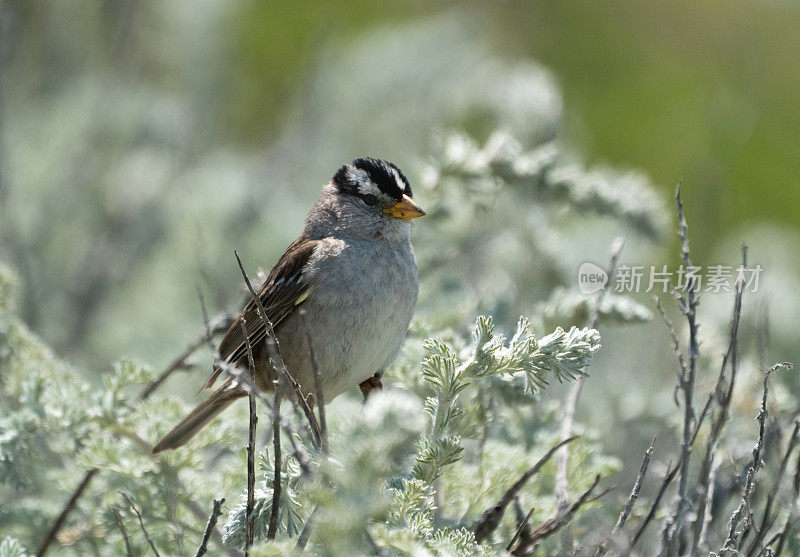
(676,522)
(218,325)
(571,403)
(523,532)
(123,531)
(210,525)
(562,518)
(251,443)
(141,523)
(491,517)
(276,473)
(768,519)
(732,542)
(626,511)
(665,483)
(722,395)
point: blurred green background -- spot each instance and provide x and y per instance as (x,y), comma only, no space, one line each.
(141,142)
(703,92)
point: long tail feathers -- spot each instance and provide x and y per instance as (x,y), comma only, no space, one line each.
(199,418)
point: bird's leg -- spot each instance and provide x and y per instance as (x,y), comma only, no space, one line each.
(373,382)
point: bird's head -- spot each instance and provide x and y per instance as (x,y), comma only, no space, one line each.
(377,187)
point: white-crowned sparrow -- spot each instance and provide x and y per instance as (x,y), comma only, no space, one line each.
(354,272)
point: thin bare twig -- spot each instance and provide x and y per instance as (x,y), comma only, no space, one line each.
(276,478)
(212,522)
(616,251)
(276,361)
(251,472)
(523,530)
(791,520)
(637,487)
(686,381)
(709,490)
(251,445)
(723,394)
(703,414)
(562,518)
(626,512)
(490,519)
(571,403)
(768,519)
(206,322)
(732,542)
(200,514)
(671,473)
(219,324)
(123,531)
(562,458)
(141,523)
(302,540)
(676,343)
(62,517)
(672,533)
(783,535)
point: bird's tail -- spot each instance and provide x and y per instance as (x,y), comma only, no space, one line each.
(199,417)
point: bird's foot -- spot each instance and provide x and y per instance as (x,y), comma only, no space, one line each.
(370,384)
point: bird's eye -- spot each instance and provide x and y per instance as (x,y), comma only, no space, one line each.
(370,199)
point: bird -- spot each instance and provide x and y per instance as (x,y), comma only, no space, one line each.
(348,285)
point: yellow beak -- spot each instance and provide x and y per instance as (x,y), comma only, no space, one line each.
(405,209)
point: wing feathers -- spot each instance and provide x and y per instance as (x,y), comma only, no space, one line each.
(286,287)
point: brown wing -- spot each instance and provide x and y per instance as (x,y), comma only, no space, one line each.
(286,288)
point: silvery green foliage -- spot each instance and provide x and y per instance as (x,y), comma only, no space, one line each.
(55,426)
(9,547)
(509,209)
(402,509)
(384,462)
(542,172)
(564,354)
(290,520)
(560,355)
(569,306)
(379,443)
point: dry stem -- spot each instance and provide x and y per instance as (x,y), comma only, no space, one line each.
(570,405)
(210,525)
(491,517)
(141,523)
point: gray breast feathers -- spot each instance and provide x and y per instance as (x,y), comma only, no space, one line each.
(364,295)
